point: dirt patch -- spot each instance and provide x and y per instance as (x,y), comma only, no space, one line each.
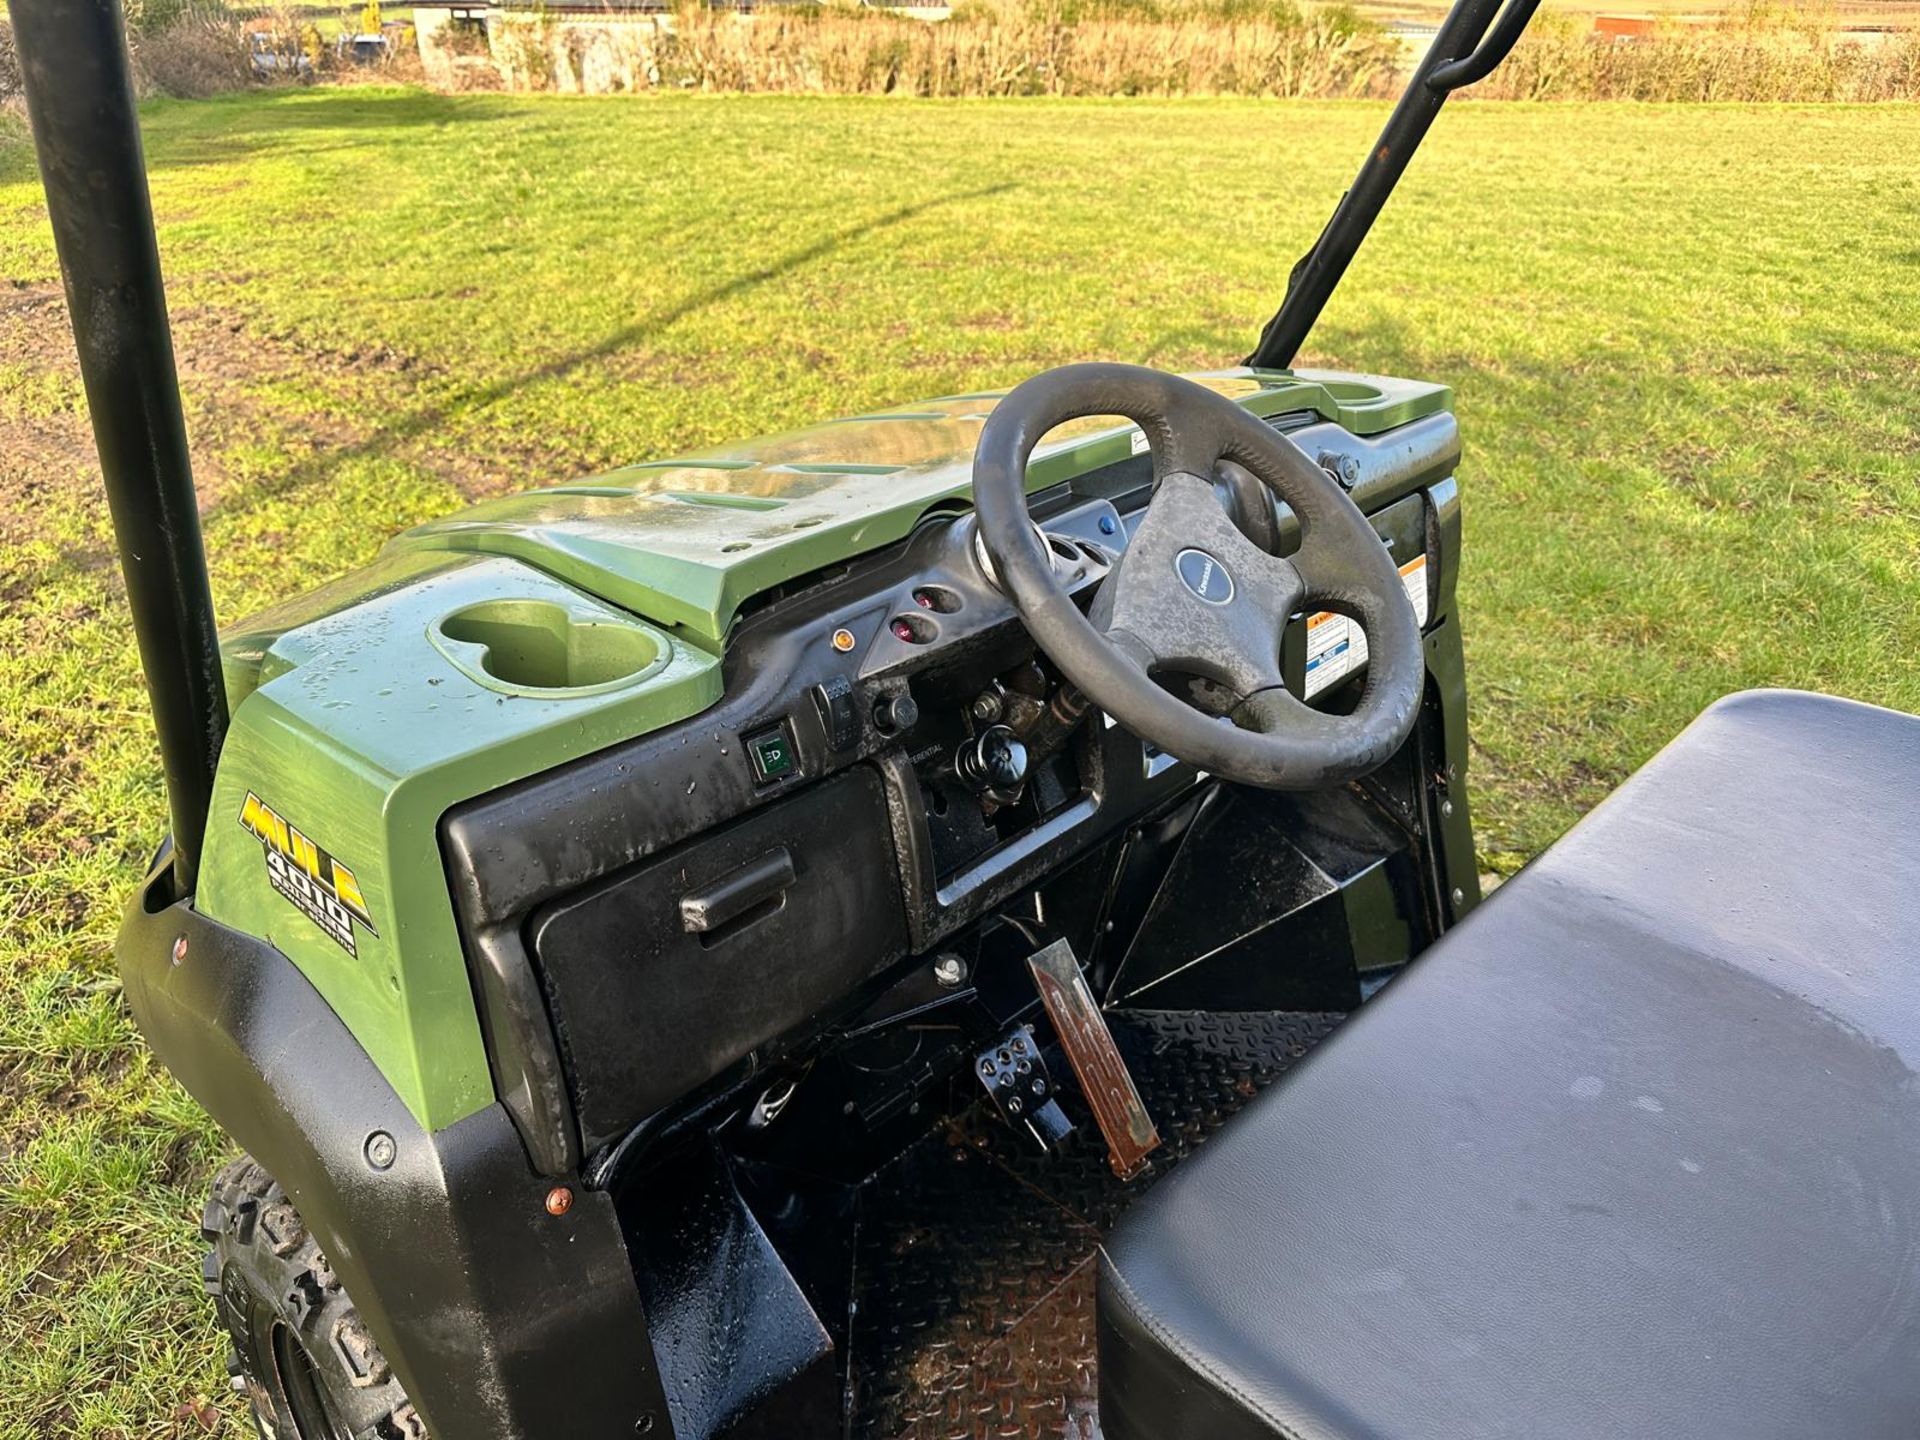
(241,386)
(25,295)
(397,406)
(44,436)
(277,350)
(47,456)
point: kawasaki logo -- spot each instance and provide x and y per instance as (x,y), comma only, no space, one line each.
(1205,576)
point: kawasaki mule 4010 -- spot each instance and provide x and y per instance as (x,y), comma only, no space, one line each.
(795,940)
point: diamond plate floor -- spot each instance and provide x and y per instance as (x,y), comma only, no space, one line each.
(973,1271)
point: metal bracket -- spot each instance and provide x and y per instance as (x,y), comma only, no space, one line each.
(1016,1077)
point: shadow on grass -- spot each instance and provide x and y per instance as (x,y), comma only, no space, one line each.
(430,417)
(226,129)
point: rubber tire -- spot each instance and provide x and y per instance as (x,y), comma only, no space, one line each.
(306,1364)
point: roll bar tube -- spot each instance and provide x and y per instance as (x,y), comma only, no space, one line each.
(1467,48)
(73,58)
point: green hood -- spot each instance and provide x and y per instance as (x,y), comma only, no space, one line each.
(685,542)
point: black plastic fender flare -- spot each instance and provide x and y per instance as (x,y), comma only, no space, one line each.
(500,1318)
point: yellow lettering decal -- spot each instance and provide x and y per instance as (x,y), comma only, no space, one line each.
(262,821)
(348,889)
(315,859)
(320,887)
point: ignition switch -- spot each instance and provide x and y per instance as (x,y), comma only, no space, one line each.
(993,764)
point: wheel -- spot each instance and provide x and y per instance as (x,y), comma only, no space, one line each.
(301,1355)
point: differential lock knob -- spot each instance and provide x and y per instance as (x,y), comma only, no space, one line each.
(896,713)
(993,760)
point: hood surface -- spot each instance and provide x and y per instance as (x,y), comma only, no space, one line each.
(685,542)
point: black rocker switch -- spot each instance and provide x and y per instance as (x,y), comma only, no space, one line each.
(833,698)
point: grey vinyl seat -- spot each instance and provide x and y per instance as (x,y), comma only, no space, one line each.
(1634,1151)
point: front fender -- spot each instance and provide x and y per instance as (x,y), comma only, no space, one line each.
(499,1318)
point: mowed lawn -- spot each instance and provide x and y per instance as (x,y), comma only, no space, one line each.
(1683,341)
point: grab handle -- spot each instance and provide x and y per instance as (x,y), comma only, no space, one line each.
(758,883)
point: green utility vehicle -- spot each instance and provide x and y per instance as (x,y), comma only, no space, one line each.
(815,938)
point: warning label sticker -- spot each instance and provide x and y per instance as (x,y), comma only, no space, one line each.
(1337,646)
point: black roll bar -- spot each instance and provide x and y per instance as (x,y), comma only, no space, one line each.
(1464,50)
(73,58)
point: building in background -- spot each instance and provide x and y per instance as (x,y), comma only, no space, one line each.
(593,47)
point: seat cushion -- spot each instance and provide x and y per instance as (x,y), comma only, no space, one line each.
(1633,1151)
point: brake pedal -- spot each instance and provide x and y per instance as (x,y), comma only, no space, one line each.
(1102,1073)
(1016,1076)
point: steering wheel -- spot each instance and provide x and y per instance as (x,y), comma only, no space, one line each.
(1192,600)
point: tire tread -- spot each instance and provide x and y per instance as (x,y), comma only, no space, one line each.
(253,1230)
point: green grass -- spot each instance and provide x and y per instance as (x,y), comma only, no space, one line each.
(1682,341)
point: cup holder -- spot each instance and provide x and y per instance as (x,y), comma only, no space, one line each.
(537,647)
(1351,392)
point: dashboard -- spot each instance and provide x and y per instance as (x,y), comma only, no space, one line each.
(892,760)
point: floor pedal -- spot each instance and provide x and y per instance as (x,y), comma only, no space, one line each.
(1016,1077)
(1103,1076)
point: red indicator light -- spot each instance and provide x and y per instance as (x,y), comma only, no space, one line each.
(903,630)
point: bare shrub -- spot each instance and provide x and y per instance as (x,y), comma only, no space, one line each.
(287,45)
(145,16)
(196,54)
(1033,47)
(1280,48)
(400,65)
(12,91)
(1756,53)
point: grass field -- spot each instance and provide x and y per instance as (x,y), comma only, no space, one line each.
(1682,339)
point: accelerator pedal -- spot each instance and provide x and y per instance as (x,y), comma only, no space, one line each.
(1104,1079)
